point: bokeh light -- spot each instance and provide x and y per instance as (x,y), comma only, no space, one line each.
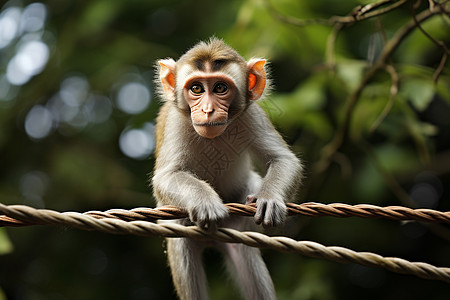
(99,108)
(77,106)
(133,97)
(29,61)
(38,122)
(74,90)
(23,28)
(33,17)
(138,143)
(9,25)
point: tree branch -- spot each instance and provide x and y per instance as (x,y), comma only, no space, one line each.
(359,13)
(332,147)
(392,93)
(440,44)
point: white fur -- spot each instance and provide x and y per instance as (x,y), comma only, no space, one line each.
(199,175)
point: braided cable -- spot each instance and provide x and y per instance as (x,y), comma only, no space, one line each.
(310,209)
(254,239)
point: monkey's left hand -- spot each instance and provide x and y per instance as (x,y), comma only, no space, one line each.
(269,212)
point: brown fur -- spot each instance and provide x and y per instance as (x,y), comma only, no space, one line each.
(212,51)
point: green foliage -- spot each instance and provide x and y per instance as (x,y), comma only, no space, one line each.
(418,92)
(304,108)
(5,244)
(366,136)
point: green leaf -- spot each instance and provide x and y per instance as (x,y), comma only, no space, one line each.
(397,160)
(443,88)
(351,72)
(312,93)
(419,92)
(5,246)
(2,295)
(374,100)
(303,108)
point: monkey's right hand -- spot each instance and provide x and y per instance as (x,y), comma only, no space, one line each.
(208,213)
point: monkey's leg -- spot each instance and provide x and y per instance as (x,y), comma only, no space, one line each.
(249,271)
(186,266)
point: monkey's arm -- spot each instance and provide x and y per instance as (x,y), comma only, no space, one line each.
(284,170)
(183,189)
(173,183)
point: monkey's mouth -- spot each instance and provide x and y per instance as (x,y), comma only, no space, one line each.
(210,130)
(211,124)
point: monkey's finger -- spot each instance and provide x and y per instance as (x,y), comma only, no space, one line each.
(267,221)
(250,199)
(269,215)
(275,214)
(261,207)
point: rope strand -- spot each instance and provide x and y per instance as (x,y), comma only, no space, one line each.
(98,222)
(310,209)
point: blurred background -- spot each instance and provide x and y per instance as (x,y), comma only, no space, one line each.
(77,111)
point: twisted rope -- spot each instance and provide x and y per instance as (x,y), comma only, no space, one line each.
(30,215)
(305,209)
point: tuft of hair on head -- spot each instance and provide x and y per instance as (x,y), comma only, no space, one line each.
(213,50)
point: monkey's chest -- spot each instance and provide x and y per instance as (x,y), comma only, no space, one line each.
(225,156)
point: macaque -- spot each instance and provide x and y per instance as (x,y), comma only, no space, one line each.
(208,132)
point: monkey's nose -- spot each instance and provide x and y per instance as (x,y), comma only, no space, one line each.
(208,113)
(208,105)
(207,109)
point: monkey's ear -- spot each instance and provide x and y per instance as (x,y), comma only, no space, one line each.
(167,76)
(256,78)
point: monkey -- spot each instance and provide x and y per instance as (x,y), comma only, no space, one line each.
(209,134)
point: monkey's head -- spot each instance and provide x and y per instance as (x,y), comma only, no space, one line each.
(213,84)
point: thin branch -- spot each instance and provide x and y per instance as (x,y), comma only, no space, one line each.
(366,13)
(332,147)
(419,26)
(416,4)
(439,69)
(440,44)
(371,6)
(392,93)
(331,42)
(431,4)
(359,13)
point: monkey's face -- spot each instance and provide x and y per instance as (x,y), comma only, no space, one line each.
(209,97)
(213,83)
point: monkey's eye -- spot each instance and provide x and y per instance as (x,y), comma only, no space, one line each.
(197,88)
(220,88)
